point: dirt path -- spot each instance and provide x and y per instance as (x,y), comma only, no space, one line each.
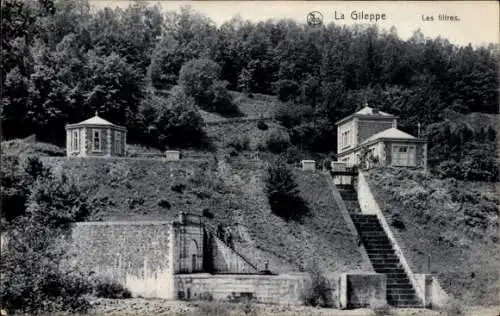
(107,307)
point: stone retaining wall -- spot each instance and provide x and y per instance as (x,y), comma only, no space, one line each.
(137,254)
(274,289)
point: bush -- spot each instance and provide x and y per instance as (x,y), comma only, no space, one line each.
(277,142)
(32,278)
(380,307)
(197,75)
(286,89)
(219,100)
(19,147)
(319,293)
(282,192)
(397,221)
(200,80)
(107,288)
(240,143)
(453,308)
(178,187)
(208,214)
(262,126)
(164,203)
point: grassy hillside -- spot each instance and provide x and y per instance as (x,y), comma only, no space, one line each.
(230,193)
(17,147)
(251,107)
(452,224)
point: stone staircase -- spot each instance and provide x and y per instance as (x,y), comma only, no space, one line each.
(350,198)
(400,291)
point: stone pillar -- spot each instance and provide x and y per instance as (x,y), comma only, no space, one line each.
(172,155)
(109,142)
(308,165)
(68,142)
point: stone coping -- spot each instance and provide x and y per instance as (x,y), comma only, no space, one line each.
(123,223)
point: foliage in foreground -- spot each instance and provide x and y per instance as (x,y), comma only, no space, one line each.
(35,266)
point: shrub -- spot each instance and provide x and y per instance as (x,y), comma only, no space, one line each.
(208,214)
(197,75)
(286,89)
(107,288)
(200,80)
(278,142)
(380,307)
(453,308)
(262,126)
(240,143)
(319,292)
(208,308)
(33,278)
(397,221)
(19,147)
(282,192)
(178,187)
(164,203)
(218,99)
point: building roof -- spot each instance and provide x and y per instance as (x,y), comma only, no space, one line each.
(390,133)
(371,111)
(96,121)
(368,112)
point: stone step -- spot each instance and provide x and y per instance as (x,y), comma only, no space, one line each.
(400,292)
(379,233)
(405,303)
(403,286)
(386,263)
(379,250)
(386,270)
(401,297)
(369,227)
(376,242)
(397,275)
(383,255)
(398,281)
(382,267)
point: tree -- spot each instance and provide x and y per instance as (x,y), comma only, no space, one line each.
(196,76)
(200,79)
(113,87)
(166,62)
(282,192)
(33,279)
(174,122)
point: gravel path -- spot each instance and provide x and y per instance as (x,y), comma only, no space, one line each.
(137,306)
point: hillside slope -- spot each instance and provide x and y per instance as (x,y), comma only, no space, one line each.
(451,225)
(229,193)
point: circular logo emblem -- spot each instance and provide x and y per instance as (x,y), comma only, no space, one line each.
(314,18)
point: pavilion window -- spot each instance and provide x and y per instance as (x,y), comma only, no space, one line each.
(75,140)
(96,140)
(118,142)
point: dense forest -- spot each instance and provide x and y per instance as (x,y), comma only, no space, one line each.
(64,60)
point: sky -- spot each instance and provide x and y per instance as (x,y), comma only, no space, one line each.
(478,20)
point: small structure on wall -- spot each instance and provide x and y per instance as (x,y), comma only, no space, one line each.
(95,137)
(370,137)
